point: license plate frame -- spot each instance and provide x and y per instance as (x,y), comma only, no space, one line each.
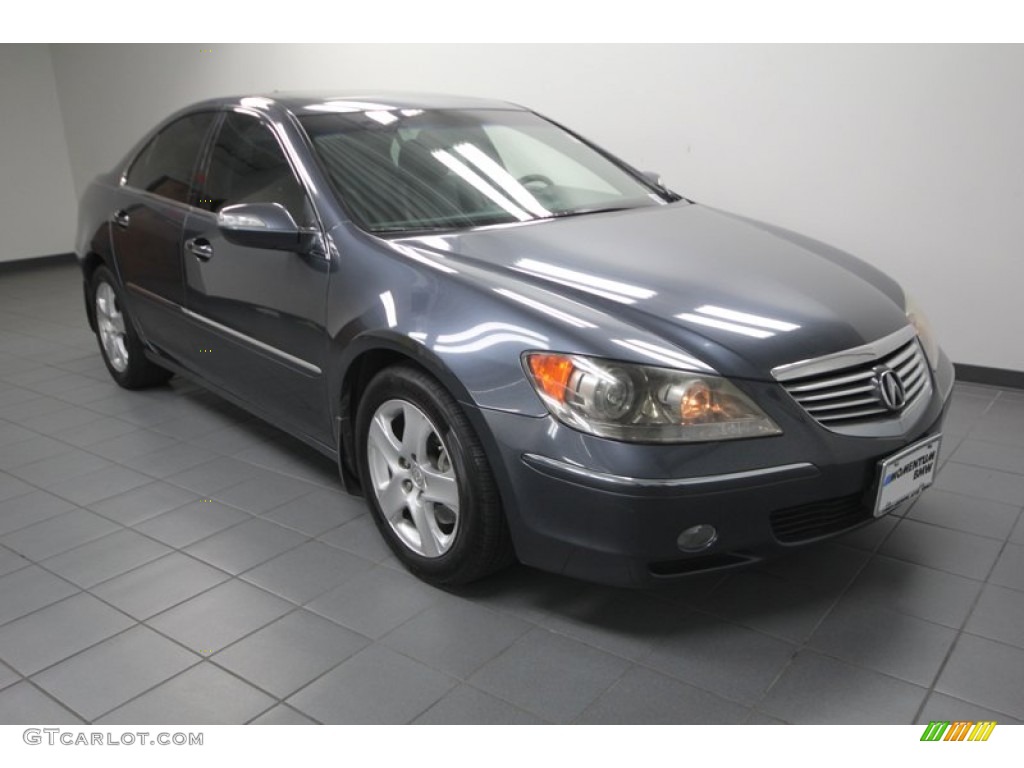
(904,475)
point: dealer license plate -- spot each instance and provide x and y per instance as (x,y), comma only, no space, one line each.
(906,474)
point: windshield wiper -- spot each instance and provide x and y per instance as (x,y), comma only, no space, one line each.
(587,211)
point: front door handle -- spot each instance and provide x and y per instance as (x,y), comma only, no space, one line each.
(121,218)
(200,248)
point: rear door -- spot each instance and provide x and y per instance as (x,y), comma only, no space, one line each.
(147,218)
(257,315)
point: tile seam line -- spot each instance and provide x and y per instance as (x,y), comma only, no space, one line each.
(961,630)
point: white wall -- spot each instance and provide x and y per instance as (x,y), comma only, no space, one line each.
(908,156)
(37,203)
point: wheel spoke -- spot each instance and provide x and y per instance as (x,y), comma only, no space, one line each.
(117,320)
(441,488)
(417,430)
(383,439)
(428,536)
(103,302)
(392,500)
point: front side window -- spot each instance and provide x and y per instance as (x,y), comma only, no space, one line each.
(400,170)
(247,165)
(166,164)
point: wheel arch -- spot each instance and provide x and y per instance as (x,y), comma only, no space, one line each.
(366,357)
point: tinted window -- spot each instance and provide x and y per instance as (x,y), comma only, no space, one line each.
(164,167)
(411,169)
(248,166)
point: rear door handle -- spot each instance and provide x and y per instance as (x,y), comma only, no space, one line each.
(121,218)
(200,248)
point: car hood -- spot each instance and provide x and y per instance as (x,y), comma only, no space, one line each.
(740,295)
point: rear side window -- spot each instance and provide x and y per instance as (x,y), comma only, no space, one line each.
(247,165)
(165,166)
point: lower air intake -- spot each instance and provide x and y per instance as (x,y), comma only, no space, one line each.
(823,518)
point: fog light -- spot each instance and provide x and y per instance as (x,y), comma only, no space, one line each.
(697,538)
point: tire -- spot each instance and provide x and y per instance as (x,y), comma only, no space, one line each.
(427,480)
(120,345)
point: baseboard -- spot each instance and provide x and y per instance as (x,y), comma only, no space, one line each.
(19,265)
(994,377)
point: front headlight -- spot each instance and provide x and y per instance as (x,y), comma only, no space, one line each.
(920,322)
(641,403)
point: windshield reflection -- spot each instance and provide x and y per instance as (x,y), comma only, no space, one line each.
(735,321)
(408,170)
(624,293)
(487,335)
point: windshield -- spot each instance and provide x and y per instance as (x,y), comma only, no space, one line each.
(413,170)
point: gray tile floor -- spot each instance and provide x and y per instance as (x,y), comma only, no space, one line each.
(164,558)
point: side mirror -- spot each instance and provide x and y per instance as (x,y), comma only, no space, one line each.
(260,225)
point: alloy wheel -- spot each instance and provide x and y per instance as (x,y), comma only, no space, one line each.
(413,478)
(110,322)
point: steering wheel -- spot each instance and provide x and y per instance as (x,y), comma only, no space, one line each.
(536,179)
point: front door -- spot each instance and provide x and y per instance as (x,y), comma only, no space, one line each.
(257,315)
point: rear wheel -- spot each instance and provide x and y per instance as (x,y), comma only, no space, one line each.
(119,343)
(427,480)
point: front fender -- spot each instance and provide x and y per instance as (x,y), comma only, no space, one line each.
(466,321)
(449,322)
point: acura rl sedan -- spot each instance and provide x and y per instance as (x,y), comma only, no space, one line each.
(514,344)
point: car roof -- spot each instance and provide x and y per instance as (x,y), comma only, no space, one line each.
(319,102)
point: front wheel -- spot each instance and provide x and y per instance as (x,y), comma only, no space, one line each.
(119,343)
(427,480)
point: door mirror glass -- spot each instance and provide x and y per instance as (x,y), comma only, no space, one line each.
(260,225)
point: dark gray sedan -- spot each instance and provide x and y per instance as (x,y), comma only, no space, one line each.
(514,344)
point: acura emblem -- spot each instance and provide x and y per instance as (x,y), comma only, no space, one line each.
(890,389)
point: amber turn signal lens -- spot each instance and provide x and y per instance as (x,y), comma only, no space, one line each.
(552,373)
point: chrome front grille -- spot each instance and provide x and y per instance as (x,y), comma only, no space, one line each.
(842,392)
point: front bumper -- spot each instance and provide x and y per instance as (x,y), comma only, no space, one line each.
(612,512)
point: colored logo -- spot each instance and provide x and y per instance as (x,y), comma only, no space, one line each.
(959,730)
